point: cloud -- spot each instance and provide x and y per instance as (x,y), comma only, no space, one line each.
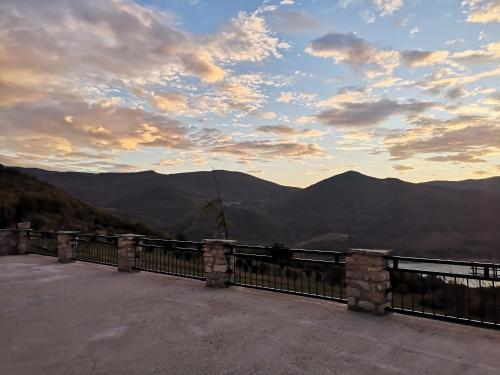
(417,58)
(445,78)
(368,114)
(235,95)
(482,173)
(285,130)
(94,37)
(388,7)
(367,16)
(483,11)
(289,22)
(302,98)
(267,149)
(80,47)
(402,168)
(358,53)
(348,94)
(353,50)
(455,93)
(455,41)
(268,115)
(489,53)
(170,102)
(245,38)
(93,130)
(465,139)
(169,163)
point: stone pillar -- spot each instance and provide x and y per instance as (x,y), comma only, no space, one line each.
(23,230)
(127,244)
(8,241)
(216,262)
(65,246)
(367,280)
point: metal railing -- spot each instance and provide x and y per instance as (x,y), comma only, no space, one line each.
(180,258)
(460,291)
(312,273)
(96,249)
(42,243)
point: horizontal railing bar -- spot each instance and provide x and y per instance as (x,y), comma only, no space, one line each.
(267,248)
(197,243)
(97,235)
(446,274)
(247,255)
(172,248)
(443,261)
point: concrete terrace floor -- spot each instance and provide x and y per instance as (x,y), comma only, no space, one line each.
(82,318)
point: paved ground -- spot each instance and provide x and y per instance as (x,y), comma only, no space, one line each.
(82,318)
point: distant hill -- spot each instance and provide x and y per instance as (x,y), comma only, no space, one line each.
(25,198)
(489,185)
(173,203)
(416,219)
(346,210)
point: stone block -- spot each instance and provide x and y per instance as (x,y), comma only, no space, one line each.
(367,306)
(127,246)
(352,292)
(66,246)
(215,262)
(367,280)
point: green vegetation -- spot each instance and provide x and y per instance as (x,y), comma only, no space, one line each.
(25,198)
(292,275)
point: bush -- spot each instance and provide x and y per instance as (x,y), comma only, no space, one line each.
(280,253)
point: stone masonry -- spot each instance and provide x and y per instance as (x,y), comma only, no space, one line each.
(65,246)
(22,237)
(215,262)
(8,242)
(367,280)
(127,244)
(14,241)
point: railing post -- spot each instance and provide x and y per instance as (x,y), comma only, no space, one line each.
(23,230)
(216,262)
(126,251)
(367,280)
(14,241)
(66,246)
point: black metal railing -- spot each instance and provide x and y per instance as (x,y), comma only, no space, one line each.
(465,292)
(181,258)
(313,273)
(96,249)
(42,243)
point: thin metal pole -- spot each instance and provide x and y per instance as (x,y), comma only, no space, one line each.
(219,199)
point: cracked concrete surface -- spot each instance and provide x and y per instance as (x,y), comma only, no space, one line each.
(82,318)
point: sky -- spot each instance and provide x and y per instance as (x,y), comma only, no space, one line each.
(289,91)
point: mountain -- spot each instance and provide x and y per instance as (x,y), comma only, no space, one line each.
(415,219)
(489,185)
(346,210)
(173,203)
(25,198)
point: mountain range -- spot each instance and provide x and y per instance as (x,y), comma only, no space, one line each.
(440,218)
(26,198)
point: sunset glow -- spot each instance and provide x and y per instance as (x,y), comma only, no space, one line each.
(289,91)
